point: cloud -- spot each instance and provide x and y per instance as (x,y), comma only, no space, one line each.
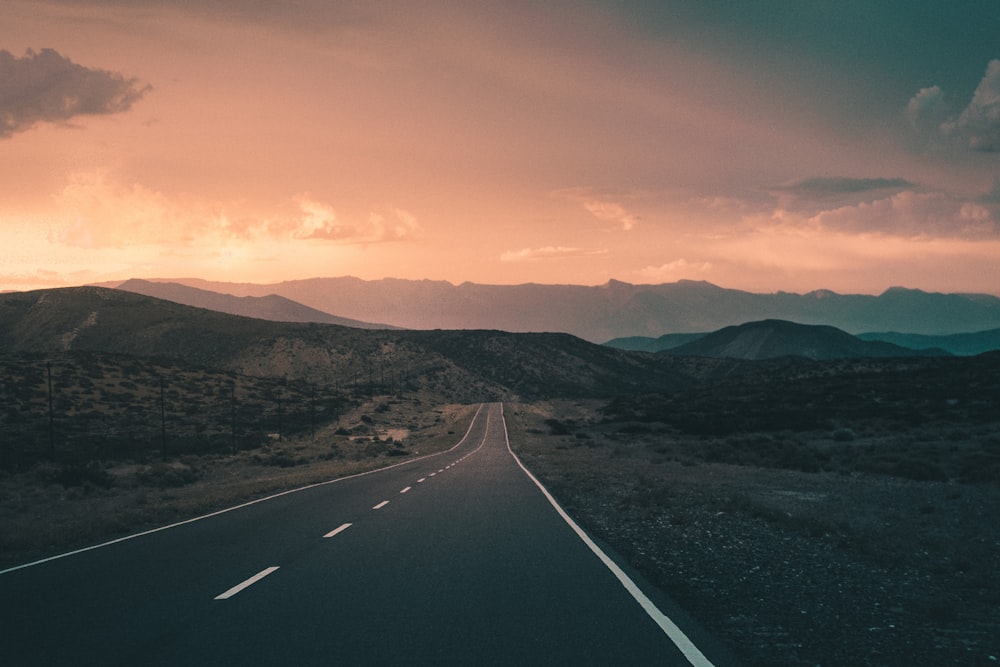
(977,128)
(97,210)
(823,187)
(679,268)
(45,86)
(600,207)
(319,221)
(906,214)
(928,110)
(814,196)
(547,253)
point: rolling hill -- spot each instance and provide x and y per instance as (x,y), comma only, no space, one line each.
(268,307)
(967,344)
(460,365)
(963,345)
(771,339)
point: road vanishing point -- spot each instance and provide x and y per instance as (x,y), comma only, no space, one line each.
(456,558)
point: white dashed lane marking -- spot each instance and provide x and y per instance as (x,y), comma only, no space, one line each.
(339,529)
(381,505)
(246,584)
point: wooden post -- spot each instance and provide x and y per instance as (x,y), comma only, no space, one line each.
(52,432)
(163,422)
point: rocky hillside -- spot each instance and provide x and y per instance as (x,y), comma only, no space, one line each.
(459,365)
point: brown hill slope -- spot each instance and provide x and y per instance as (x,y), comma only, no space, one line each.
(267,307)
(462,365)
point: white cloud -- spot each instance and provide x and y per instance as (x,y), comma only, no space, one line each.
(976,128)
(600,207)
(980,122)
(905,214)
(677,269)
(547,253)
(98,210)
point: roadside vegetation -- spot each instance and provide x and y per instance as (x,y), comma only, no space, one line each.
(853,539)
(107,475)
(807,513)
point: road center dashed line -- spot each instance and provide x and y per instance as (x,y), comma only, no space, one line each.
(246,584)
(421,480)
(338,529)
(381,505)
(405,489)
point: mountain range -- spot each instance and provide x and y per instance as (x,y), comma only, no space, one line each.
(613,310)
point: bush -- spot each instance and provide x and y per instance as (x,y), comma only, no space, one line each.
(78,474)
(165,475)
(919,470)
(556,427)
(844,435)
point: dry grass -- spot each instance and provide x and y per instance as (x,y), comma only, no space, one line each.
(49,508)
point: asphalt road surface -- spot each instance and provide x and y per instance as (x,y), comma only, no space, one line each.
(457,558)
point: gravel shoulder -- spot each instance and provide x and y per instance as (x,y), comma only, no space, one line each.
(785,567)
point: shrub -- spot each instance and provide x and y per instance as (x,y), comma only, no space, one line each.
(78,474)
(919,470)
(844,435)
(165,475)
(556,427)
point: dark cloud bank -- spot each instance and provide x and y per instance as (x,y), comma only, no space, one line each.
(45,86)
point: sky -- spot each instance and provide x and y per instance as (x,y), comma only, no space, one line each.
(759,145)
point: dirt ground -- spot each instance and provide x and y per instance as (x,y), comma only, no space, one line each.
(785,567)
(53,508)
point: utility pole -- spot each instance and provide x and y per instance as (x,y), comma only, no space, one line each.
(279,419)
(163,422)
(232,415)
(312,412)
(52,432)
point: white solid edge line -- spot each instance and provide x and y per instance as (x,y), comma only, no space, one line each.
(676,635)
(246,584)
(339,529)
(247,504)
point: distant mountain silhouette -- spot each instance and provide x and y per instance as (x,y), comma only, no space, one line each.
(967,344)
(771,339)
(963,345)
(617,309)
(269,307)
(650,344)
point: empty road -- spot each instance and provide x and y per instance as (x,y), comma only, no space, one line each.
(456,558)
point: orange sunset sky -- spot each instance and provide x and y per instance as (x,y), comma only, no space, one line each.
(764,146)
